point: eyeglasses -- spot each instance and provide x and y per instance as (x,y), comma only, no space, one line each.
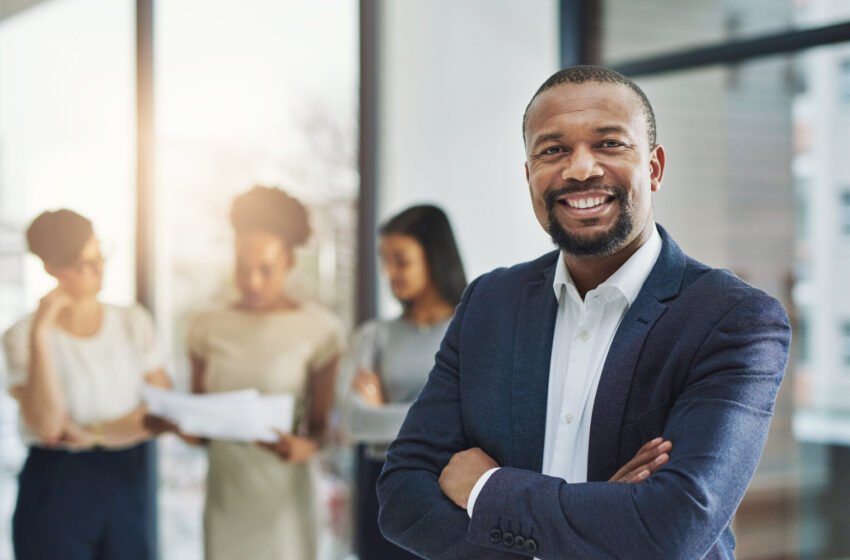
(94,264)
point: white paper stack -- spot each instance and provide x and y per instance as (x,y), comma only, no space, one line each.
(235,415)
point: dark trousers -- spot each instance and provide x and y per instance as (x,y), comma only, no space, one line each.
(370,543)
(89,505)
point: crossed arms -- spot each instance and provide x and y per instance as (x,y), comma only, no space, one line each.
(719,424)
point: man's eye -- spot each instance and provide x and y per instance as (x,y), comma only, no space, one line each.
(611,144)
(552,150)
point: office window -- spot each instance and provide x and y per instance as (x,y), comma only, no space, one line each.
(754,153)
(67,139)
(845,346)
(255,92)
(844,82)
(845,213)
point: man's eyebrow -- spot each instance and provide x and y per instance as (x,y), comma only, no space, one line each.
(612,129)
(546,137)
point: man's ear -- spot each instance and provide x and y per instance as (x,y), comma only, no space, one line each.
(525,165)
(657,161)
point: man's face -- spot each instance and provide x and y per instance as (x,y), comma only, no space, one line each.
(590,168)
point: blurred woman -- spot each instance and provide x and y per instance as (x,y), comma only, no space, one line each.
(388,361)
(76,368)
(259,501)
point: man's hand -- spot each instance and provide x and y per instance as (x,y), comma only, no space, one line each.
(649,458)
(462,472)
(466,467)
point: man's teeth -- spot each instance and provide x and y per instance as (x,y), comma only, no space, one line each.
(585,202)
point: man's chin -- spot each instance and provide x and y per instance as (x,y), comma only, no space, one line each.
(596,244)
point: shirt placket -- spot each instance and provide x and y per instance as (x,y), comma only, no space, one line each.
(574,390)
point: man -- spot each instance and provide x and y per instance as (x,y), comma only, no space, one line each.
(554,372)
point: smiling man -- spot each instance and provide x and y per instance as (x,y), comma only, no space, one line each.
(555,373)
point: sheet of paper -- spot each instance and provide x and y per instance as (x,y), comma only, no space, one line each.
(236,415)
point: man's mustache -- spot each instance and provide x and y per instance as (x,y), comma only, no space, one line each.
(578,187)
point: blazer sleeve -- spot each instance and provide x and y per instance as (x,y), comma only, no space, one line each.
(718,426)
(414,512)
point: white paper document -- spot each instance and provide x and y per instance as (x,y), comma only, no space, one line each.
(235,415)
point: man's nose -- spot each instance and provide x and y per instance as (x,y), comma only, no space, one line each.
(581,165)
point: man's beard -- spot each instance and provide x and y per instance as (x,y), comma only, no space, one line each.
(603,244)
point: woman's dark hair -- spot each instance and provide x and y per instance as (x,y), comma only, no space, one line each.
(270,210)
(430,227)
(58,237)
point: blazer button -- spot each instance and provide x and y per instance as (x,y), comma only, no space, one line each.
(508,538)
(495,536)
(531,545)
(519,541)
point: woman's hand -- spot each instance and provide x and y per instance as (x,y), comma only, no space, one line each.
(367,384)
(77,437)
(50,307)
(157,425)
(649,458)
(292,448)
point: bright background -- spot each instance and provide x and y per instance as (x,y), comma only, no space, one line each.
(265,91)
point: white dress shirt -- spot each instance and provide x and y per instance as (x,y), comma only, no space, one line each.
(584,330)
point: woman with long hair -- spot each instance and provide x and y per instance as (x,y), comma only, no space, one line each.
(76,367)
(260,497)
(388,361)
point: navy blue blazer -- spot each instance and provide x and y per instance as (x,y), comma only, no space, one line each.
(698,358)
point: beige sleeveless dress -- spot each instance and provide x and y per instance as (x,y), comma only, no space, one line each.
(258,506)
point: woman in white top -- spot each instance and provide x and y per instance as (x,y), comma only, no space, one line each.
(260,499)
(76,367)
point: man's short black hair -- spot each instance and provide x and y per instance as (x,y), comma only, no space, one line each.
(600,74)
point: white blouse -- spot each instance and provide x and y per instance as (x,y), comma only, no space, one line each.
(101,375)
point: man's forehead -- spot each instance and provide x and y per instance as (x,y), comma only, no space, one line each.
(592,98)
(589,95)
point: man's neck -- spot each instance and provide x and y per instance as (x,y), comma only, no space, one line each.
(589,272)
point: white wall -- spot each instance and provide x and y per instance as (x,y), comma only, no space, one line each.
(456,77)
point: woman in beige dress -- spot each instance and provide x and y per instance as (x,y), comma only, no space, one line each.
(260,502)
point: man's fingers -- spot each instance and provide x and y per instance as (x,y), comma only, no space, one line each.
(647,455)
(651,456)
(644,471)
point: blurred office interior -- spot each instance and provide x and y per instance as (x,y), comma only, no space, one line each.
(148,116)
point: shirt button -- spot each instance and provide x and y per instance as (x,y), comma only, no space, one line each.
(568,419)
(584,335)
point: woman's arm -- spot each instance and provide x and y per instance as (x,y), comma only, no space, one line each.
(300,449)
(41,397)
(125,431)
(321,399)
(130,429)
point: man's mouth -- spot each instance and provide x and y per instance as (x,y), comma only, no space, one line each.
(585,201)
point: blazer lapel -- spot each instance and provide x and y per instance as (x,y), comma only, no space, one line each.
(532,356)
(663,283)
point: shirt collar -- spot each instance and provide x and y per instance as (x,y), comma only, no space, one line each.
(627,280)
